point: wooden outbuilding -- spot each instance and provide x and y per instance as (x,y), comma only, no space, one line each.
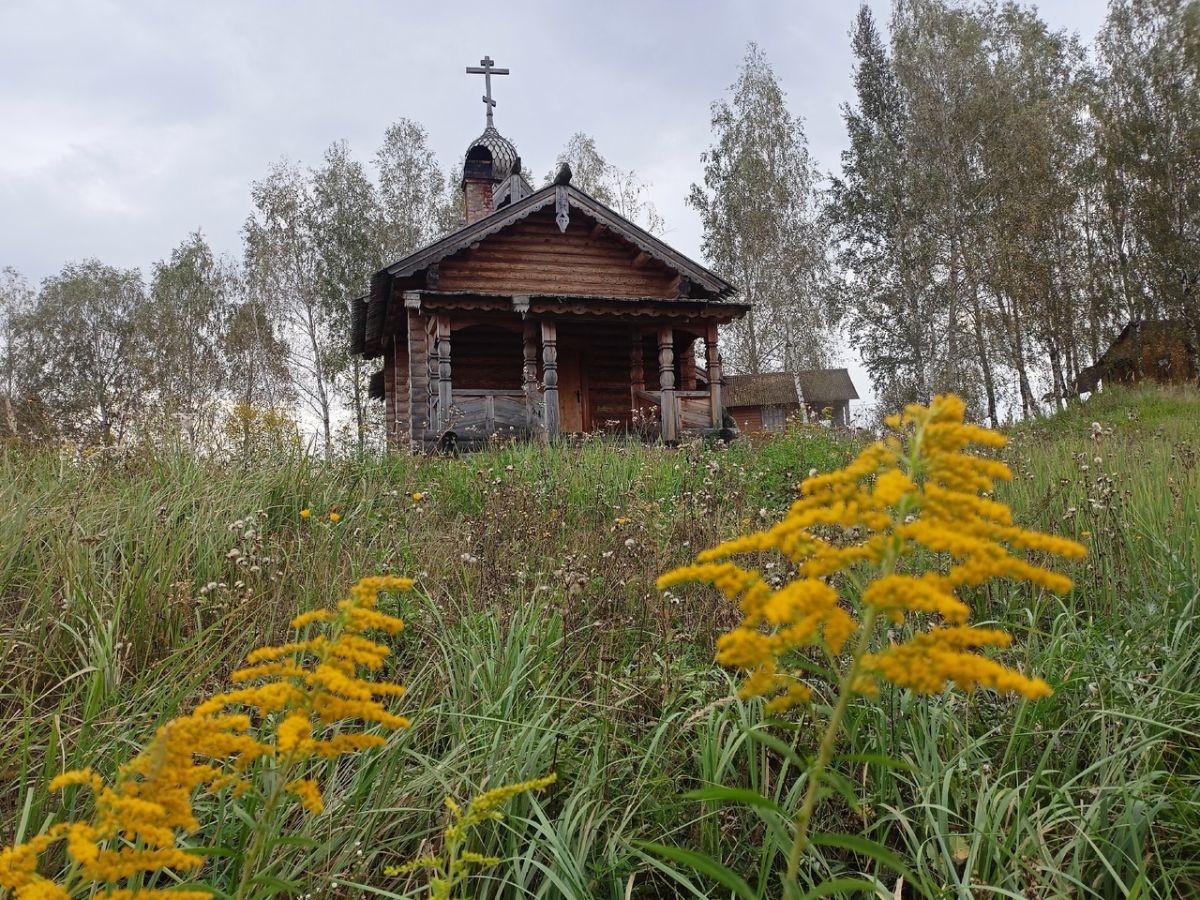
(765,402)
(547,313)
(1160,350)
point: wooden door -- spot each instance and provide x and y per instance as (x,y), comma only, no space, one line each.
(572,388)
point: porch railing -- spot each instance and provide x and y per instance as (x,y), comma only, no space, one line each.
(478,413)
(692,409)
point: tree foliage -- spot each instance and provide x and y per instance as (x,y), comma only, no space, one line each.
(83,350)
(757,207)
(622,190)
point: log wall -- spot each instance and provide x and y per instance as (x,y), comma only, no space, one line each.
(486,357)
(418,376)
(534,257)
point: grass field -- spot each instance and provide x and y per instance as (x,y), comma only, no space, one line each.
(131,586)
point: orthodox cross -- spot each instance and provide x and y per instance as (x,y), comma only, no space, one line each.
(487,69)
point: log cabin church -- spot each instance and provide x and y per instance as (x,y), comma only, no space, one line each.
(546,313)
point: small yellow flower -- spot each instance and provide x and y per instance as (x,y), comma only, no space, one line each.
(417,496)
(335,516)
(305,513)
(919,490)
(1085,534)
(312,704)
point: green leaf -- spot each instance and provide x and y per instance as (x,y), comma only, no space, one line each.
(744,796)
(276,885)
(213,851)
(877,759)
(768,810)
(704,864)
(845,787)
(871,849)
(842,887)
(296,840)
(778,745)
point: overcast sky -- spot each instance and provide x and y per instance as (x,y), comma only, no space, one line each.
(124,126)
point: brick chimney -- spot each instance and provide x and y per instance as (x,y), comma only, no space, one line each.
(477,184)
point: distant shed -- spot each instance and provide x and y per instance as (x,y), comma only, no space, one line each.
(1159,350)
(766,401)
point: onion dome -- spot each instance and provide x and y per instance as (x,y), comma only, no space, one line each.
(494,149)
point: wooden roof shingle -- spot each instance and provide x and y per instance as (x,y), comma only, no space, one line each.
(824,385)
(764,389)
(365,337)
(789,388)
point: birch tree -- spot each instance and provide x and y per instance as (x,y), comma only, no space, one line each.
(83,349)
(191,295)
(282,262)
(757,206)
(621,190)
(16,300)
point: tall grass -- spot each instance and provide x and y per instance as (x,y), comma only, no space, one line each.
(536,642)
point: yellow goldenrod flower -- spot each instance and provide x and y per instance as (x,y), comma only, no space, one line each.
(306,696)
(309,794)
(856,541)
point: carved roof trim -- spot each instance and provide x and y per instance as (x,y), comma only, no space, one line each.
(594,209)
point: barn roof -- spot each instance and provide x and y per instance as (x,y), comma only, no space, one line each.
(764,389)
(1126,348)
(788,388)
(820,385)
(367,325)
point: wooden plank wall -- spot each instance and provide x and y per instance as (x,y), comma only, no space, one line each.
(606,353)
(748,418)
(389,392)
(534,257)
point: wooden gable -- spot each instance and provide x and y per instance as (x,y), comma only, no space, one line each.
(533,256)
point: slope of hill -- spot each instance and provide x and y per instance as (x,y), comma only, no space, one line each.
(130,587)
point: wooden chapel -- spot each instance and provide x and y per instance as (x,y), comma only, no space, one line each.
(546,313)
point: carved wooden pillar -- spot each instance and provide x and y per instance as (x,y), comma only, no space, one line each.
(431,378)
(712,359)
(550,377)
(666,384)
(445,389)
(529,376)
(637,371)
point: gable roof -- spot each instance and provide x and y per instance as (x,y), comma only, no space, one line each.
(789,388)
(575,199)
(764,389)
(1137,332)
(367,323)
(820,385)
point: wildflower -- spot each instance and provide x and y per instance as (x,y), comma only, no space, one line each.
(305,513)
(417,496)
(306,696)
(454,865)
(867,527)
(335,517)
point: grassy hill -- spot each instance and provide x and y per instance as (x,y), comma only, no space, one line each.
(130,586)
